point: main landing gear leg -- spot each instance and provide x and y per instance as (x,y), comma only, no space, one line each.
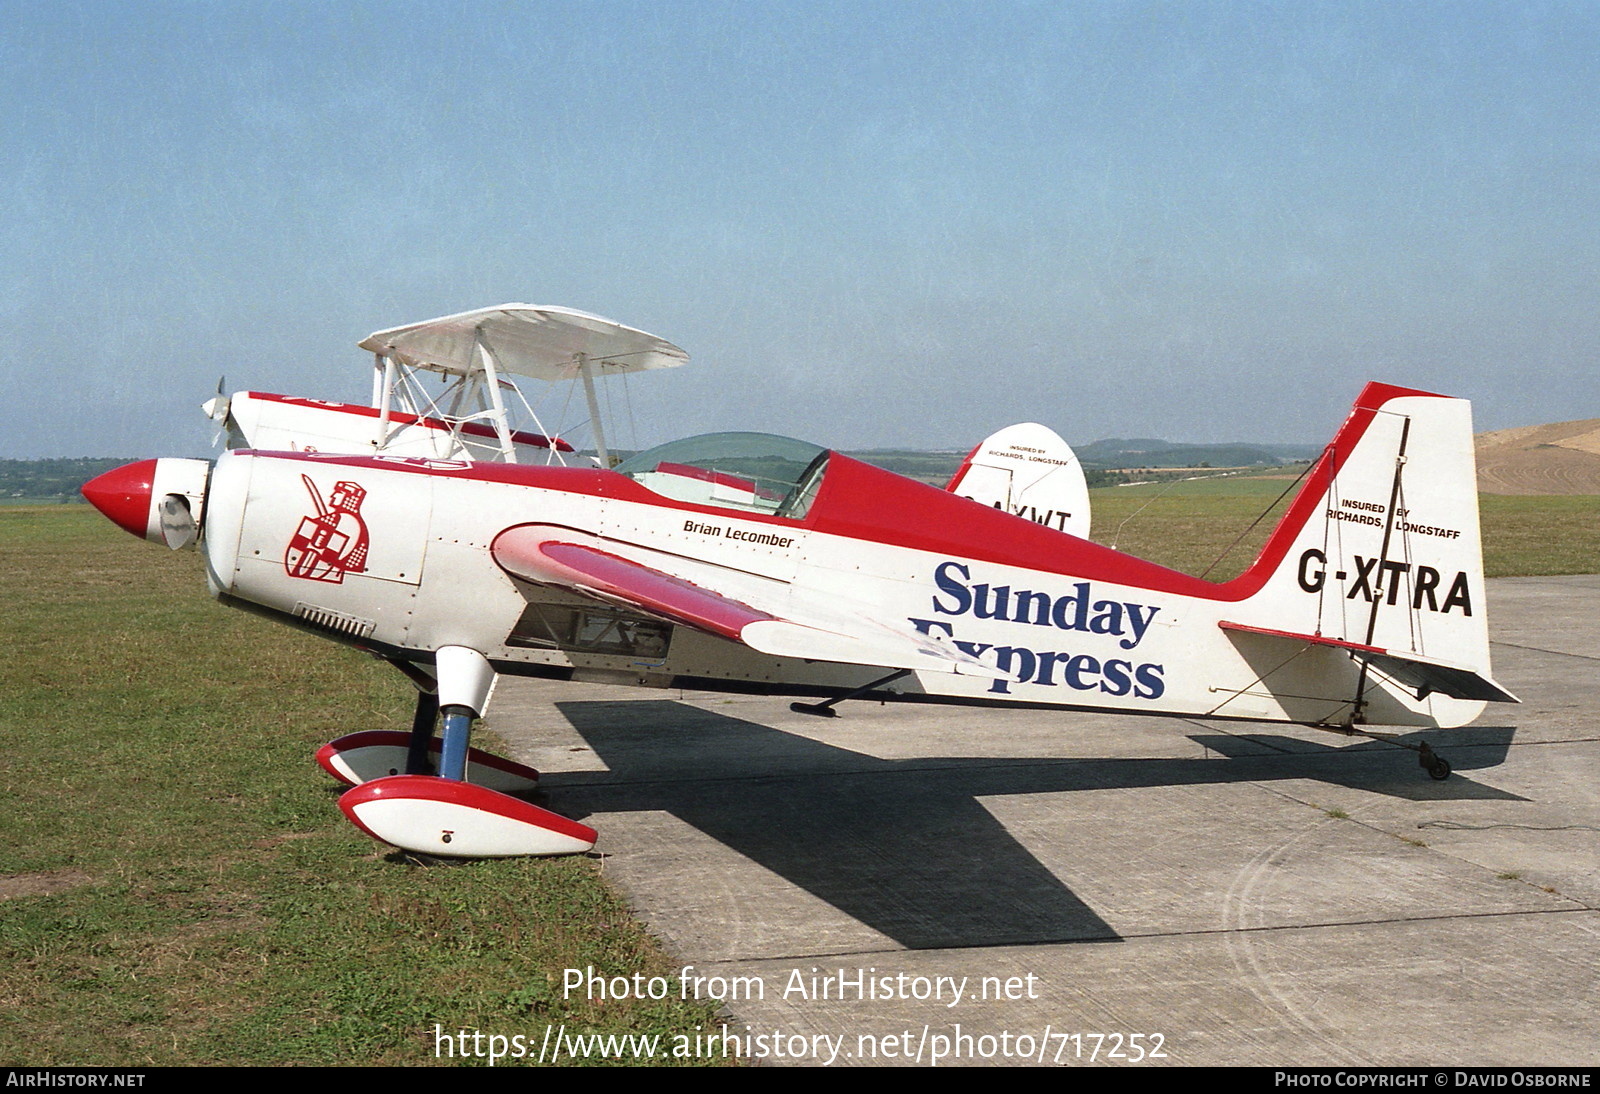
(444,814)
(419,749)
(375,754)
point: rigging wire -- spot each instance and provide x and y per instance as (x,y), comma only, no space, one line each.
(1163,493)
(1236,539)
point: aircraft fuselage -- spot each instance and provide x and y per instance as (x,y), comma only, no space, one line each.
(396,555)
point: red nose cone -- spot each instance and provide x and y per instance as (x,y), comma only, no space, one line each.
(123,495)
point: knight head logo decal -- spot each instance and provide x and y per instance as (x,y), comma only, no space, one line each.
(334,542)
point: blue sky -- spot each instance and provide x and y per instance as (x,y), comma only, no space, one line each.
(869,224)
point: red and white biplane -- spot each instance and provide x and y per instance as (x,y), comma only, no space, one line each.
(755,563)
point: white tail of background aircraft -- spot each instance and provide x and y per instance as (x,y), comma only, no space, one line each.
(1027,470)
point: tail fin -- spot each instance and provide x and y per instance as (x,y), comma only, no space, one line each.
(1379,555)
(1029,471)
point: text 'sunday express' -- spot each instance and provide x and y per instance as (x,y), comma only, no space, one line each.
(1076,610)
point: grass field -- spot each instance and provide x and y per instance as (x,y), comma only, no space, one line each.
(213,906)
(1190,525)
(180,888)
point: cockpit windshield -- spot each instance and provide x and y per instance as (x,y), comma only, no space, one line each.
(746,472)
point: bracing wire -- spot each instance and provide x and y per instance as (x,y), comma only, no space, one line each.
(1262,516)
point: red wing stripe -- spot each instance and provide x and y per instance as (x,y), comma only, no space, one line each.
(526,553)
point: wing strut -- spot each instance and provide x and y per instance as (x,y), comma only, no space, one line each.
(586,370)
(508,451)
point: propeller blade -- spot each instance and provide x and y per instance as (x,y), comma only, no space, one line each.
(216,408)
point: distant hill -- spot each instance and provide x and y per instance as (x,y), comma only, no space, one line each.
(933,467)
(1145,452)
(1560,458)
(1103,460)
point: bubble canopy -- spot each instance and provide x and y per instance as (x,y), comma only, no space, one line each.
(745,472)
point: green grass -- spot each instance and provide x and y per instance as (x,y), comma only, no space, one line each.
(217,908)
(1538,536)
(1188,525)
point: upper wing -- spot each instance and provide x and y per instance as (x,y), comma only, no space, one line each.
(547,555)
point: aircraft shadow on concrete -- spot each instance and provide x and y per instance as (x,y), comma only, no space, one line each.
(905,846)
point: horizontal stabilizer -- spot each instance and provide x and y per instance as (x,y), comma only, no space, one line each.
(1429,675)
